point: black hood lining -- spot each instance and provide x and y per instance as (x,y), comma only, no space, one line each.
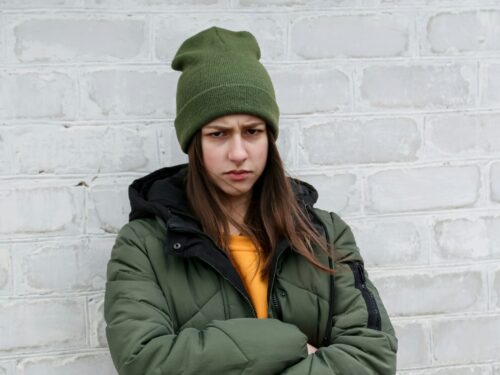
(163,191)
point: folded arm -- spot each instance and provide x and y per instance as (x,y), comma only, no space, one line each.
(362,340)
(141,332)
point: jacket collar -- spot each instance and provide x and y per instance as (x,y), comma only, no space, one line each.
(162,193)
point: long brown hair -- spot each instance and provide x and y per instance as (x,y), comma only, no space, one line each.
(273,210)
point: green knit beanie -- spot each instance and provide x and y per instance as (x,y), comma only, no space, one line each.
(221,75)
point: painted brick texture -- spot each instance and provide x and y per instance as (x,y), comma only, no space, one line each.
(391,108)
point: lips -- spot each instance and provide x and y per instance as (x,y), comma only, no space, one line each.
(240,171)
(238,175)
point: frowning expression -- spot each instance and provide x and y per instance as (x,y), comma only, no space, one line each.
(235,152)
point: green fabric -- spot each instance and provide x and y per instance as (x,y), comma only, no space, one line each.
(174,315)
(221,75)
(355,349)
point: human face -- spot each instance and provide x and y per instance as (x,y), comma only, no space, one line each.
(235,153)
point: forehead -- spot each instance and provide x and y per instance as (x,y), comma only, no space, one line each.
(235,120)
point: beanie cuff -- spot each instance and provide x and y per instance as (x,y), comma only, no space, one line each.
(224,100)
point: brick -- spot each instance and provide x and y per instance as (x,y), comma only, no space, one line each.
(308,4)
(495,295)
(31,210)
(422,188)
(473,135)
(451,370)
(287,144)
(412,3)
(122,93)
(6,368)
(275,3)
(155,4)
(467,240)
(12,4)
(6,164)
(415,293)
(80,265)
(170,150)
(83,149)
(51,95)
(339,193)
(379,35)
(79,364)
(2,44)
(42,324)
(495,181)
(108,207)
(5,108)
(270,31)
(417,86)
(356,142)
(456,340)
(97,323)
(490,83)
(5,269)
(392,242)
(462,32)
(79,39)
(413,344)
(310,90)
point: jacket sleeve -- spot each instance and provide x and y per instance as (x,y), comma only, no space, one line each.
(362,341)
(140,328)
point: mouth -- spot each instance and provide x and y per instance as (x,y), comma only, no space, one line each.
(238,175)
(238,171)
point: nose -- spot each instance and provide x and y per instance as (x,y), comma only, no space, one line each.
(237,151)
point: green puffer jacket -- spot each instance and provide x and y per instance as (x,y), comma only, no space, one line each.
(174,304)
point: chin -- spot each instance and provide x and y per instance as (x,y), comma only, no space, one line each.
(234,193)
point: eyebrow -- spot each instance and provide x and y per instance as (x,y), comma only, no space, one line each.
(220,126)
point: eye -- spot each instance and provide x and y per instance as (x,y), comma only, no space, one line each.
(216,134)
(254,131)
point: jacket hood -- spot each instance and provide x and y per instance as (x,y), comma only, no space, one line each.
(162,191)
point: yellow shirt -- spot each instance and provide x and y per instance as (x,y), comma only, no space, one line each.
(245,258)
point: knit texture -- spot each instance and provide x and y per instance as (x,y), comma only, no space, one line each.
(221,75)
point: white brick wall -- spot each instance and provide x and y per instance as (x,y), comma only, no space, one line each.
(391,108)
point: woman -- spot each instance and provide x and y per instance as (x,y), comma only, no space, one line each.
(226,266)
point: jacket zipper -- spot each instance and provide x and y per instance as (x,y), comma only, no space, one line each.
(274,298)
(374,320)
(274,301)
(244,295)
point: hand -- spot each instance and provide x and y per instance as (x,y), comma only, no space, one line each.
(311,349)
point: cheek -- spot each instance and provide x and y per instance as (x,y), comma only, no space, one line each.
(209,159)
(264,154)
(263,160)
